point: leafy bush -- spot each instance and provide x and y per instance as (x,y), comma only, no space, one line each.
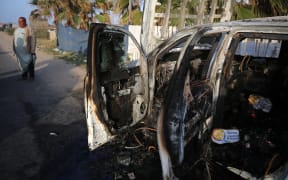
(42,33)
(9,31)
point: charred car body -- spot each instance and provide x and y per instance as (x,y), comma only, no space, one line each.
(216,94)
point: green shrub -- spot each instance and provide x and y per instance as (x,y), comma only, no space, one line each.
(10,31)
(42,33)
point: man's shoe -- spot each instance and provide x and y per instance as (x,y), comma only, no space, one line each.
(24,77)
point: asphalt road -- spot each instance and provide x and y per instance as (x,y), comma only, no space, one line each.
(43,133)
(42,122)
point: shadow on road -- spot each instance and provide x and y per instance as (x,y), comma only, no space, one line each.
(43,131)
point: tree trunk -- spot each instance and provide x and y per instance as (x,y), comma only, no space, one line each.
(165,27)
(182,17)
(213,10)
(130,11)
(228,11)
(201,14)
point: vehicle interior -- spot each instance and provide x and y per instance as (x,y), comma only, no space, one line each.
(192,89)
(120,81)
(198,95)
(165,66)
(198,57)
(253,100)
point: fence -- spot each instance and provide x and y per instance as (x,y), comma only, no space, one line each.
(75,40)
(70,39)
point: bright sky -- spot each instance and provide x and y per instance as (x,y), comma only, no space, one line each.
(10,10)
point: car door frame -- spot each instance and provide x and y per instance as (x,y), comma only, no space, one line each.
(99,129)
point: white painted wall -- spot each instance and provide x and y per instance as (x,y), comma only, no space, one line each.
(136,31)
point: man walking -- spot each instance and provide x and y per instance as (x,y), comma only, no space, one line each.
(24,45)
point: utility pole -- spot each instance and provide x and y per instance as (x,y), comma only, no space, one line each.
(148,41)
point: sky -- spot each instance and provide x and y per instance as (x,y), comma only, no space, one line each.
(10,10)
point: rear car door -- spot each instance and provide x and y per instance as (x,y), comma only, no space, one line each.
(116,83)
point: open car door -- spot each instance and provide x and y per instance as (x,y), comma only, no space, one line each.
(116,83)
(187,109)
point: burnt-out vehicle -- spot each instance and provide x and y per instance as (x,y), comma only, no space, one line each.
(216,94)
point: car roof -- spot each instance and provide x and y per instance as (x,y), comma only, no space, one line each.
(275,24)
(267,23)
(274,21)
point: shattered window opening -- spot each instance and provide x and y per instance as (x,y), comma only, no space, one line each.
(165,67)
(254,104)
(120,79)
(193,94)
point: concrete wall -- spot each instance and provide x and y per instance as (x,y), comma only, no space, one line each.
(136,31)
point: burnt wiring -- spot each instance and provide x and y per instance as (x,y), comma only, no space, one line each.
(133,147)
(204,158)
(163,75)
(146,128)
(140,144)
(152,148)
(270,164)
(137,140)
(245,61)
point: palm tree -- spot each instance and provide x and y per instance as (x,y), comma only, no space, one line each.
(266,8)
(48,8)
(182,14)
(105,6)
(83,9)
(201,13)
(228,10)
(73,11)
(130,11)
(213,4)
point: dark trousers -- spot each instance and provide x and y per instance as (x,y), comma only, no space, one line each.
(30,71)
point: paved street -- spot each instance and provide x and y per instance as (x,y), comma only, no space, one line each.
(42,123)
(43,133)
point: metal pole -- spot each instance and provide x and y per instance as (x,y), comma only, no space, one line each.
(147,30)
(165,26)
